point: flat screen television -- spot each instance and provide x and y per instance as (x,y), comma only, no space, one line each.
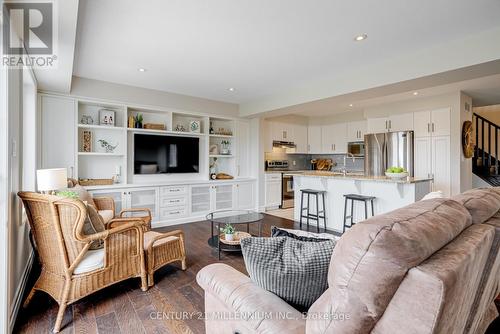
(155,154)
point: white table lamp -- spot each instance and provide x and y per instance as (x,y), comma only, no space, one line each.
(51,179)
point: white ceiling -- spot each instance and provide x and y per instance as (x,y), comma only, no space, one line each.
(270,49)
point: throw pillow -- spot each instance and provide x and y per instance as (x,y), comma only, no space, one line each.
(294,270)
(301,235)
(83,195)
(93,224)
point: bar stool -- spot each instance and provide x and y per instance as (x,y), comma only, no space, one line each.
(309,215)
(359,198)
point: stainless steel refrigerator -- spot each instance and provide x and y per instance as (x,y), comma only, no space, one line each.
(388,149)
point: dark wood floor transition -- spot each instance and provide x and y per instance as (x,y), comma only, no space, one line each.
(124,308)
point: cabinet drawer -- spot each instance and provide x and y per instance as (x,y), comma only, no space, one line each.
(173,201)
(174,190)
(177,212)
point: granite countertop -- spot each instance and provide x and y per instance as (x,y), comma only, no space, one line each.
(361,177)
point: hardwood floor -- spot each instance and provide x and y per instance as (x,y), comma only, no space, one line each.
(124,308)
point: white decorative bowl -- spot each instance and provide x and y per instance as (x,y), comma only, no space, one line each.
(396,175)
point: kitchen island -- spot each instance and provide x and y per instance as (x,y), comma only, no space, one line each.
(390,194)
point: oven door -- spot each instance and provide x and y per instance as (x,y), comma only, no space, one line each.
(287,191)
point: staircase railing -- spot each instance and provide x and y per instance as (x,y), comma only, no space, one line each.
(487,133)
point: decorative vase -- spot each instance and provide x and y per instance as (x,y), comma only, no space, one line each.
(229,237)
(138,125)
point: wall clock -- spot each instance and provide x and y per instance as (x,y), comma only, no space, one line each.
(467,141)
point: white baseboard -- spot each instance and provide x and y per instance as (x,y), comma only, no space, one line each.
(18,298)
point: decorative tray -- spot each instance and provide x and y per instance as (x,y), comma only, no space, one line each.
(237,237)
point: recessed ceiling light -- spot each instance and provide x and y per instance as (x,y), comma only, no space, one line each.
(350,105)
(142,69)
(415,93)
(360,38)
(231,89)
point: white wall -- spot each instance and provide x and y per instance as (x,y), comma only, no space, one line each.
(122,94)
(19,246)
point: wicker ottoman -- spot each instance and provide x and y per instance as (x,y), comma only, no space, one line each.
(161,249)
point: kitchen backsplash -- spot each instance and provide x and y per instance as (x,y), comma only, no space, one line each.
(303,161)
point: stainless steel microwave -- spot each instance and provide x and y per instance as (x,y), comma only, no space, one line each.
(356,148)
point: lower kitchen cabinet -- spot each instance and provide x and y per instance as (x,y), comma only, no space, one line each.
(273,190)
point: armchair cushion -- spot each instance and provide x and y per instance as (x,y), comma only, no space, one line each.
(94,223)
(150,235)
(92,260)
(294,270)
(106,215)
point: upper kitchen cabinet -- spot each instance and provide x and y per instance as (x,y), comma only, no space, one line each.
(334,138)
(432,123)
(300,138)
(401,122)
(294,130)
(58,147)
(314,139)
(398,122)
(356,131)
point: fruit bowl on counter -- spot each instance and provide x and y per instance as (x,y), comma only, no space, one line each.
(396,173)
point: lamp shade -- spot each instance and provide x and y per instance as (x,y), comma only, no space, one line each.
(51,179)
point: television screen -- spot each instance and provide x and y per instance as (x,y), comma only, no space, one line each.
(165,154)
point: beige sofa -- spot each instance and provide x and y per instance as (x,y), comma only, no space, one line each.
(430,267)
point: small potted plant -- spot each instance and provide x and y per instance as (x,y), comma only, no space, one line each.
(225,146)
(138,121)
(228,231)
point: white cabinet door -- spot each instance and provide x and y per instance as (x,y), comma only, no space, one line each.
(377,125)
(422,123)
(140,198)
(223,197)
(339,137)
(314,139)
(422,158)
(243,148)
(300,138)
(58,128)
(244,195)
(281,131)
(440,122)
(440,148)
(273,193)
(401,122)
(356,131)
(201,200)
(327,139)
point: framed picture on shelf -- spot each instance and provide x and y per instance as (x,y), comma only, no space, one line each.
(87,141)
(195,126)
(106,117)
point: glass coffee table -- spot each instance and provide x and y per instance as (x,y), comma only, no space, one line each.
(234,217)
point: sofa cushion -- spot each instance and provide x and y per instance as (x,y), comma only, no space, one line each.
(302,235)
(149,239)
(294,270)
(372,258)
(482,203)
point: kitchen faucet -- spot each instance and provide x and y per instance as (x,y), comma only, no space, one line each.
(344,169)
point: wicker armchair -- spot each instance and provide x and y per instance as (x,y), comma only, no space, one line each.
(57,227)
